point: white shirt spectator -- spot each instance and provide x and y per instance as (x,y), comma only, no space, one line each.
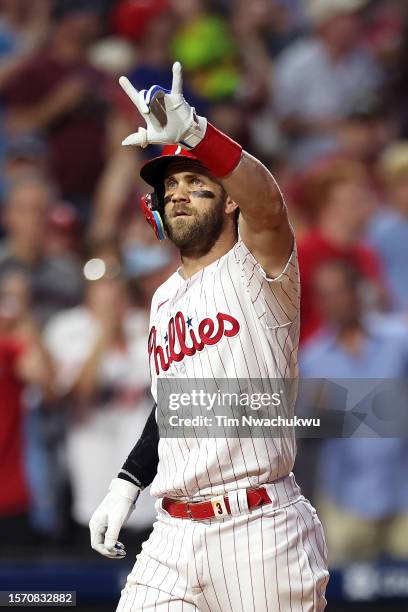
(98,443)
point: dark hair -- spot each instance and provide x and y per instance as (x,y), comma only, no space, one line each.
(66,8)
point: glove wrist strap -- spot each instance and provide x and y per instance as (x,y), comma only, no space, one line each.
(125,489)
(218,152)
(195,133)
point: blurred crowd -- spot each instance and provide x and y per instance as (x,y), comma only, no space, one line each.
(317,89)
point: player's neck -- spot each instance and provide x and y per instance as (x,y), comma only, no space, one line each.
(191,263)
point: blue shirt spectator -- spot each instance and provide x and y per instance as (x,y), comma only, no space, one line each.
(388,233)
(388,230)
(361,474)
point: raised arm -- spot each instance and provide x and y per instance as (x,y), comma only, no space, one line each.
(263,225)
(263,221)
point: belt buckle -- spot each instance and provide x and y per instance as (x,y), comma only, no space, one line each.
(188,510)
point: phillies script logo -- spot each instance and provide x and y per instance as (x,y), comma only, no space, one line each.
(209,332)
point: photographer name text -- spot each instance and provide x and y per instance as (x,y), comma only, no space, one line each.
(242,421)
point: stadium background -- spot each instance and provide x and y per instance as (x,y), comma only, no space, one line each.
(317,90)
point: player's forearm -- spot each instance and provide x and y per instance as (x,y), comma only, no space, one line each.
(140,467)
(245,179)
(255,190)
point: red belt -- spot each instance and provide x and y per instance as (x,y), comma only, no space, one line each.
(215,507)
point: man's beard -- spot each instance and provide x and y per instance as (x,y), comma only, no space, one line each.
(198,235)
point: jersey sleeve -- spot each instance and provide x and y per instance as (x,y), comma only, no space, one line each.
(275,300)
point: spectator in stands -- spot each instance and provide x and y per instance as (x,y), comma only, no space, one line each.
(25,155)
(395,91)
(316,79)
(152,28)
(366,130)
(274,24)
(23,28)
(384,31)
(63,231)
(22,156)
(388,232)
(23,361)
(55,281)
(99,349)
(338,199)
(149,27)
(204,44)
(59,94)
(363,505)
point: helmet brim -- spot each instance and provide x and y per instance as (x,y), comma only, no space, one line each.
(154,170)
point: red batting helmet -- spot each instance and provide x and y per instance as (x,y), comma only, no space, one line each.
(152,172)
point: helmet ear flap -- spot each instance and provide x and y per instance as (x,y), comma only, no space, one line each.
(149,203)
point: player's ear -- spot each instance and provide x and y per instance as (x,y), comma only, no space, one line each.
(230,205)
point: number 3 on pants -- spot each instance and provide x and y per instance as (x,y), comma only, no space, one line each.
(219,506)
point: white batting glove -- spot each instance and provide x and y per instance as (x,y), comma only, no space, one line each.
(110,516)
(169,118)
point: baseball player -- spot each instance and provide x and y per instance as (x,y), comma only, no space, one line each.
(233,532)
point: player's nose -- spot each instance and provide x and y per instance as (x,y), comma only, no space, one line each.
(180,194)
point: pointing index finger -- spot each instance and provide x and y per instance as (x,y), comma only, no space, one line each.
(177,85)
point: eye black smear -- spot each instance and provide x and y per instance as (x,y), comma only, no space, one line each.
(202,194)
(196,194)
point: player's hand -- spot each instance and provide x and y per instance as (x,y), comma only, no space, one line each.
(169,118)
(110,516)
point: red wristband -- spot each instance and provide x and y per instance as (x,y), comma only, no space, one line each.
(218,152)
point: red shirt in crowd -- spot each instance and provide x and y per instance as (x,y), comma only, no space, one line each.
(313,250)
(76,140)
(13,489)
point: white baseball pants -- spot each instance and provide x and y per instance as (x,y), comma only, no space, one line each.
(271,559)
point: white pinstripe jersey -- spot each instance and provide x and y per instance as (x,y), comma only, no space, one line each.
(252,326)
